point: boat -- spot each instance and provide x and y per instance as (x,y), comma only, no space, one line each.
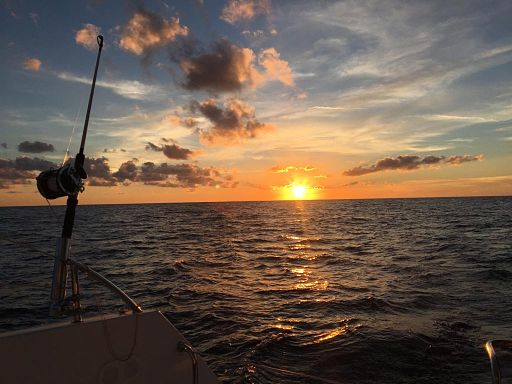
(133,346)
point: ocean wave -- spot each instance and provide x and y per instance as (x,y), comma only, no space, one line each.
(387,291)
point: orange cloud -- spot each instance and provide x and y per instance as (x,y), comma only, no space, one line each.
(236,10)
(146,31)
(232,122)
(173,120)
(275,68)
(87,36)
(177,121)
(292,168)
(32,64)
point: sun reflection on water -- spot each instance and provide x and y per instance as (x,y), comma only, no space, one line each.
(315,285)
(332,334)
(283,326)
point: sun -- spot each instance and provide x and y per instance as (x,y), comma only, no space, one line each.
(299,191)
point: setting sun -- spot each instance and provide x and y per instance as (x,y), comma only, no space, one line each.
(299,191)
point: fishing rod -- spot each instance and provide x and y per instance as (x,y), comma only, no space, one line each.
(67,181)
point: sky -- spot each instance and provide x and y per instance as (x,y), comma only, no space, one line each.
(236,100)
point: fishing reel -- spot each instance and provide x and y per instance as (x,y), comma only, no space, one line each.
(64,181)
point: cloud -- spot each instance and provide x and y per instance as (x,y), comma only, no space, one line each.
(291,168)
(275,68)
(113,150)
(469,119)
(187,122)
(87,36)
(410,162)
(32,64)
(257,34)
(234,121)
(130,89)
(35,147)
(229,68)
(97,168)
(11,176)
(238,10)
(456,160)
(172,151)
(33,164)
(183,176)
(98,172)
(147,31)
(127,171)
(22,170)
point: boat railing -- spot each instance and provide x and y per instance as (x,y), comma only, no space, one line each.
(76,266)
(500,356)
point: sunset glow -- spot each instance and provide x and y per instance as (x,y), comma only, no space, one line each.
(299,191)
(260,100)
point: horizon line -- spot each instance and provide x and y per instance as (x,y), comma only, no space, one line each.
(268,201)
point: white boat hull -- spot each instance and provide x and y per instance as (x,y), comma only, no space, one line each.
(127,349)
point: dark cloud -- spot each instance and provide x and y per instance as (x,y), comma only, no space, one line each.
(98,172)
(35,147)
(98,168)
(3,145)
(33,164)
(172,151)
(410,162)
(22,170)
(127,171)
(227,68)
(153,147)
(235,121)
(113,150)
(150,173)
(99,182)
(166,175)
(183,176)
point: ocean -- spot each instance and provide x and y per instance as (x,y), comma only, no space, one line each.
(347,291)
